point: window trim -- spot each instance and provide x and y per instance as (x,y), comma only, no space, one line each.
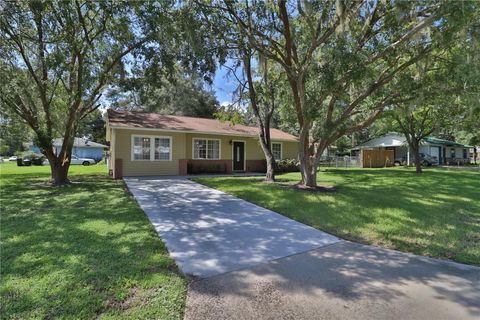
(206,139)
(152,147)
(281,149)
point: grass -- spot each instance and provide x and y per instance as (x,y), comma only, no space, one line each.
(434,214)
(81,251)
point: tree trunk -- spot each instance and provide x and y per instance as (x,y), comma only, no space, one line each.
(418,166)
(308,168)
(309,157)
(262,122)
(265,143)
(60,173)
(58,168)
(270,175)
(416,156)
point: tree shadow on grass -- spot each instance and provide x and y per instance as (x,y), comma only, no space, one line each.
(435,214)
(80,251)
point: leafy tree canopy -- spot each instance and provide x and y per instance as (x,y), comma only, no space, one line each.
(176,92)
(58,57)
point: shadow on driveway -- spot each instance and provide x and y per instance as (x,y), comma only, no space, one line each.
(341,281)
(209,232)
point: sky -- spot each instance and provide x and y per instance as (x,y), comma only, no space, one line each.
(224,85)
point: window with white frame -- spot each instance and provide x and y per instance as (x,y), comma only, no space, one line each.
(162,148)
(141,148)
(206,149)
(151,148)
(277,150)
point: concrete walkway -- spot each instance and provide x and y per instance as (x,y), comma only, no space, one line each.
(209,232)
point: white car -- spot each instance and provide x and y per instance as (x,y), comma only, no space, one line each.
(84,161)
(13,158)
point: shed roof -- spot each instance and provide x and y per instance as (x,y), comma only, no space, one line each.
(388,140)
(397,140)
(134,120)
(448,143)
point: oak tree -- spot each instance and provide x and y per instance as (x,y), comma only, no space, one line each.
(339,58)
(58,57)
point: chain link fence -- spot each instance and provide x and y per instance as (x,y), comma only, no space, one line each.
(340,161)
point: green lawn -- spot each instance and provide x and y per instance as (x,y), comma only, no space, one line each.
(435,214)
(82,251)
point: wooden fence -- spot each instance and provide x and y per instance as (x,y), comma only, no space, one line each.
(377,158)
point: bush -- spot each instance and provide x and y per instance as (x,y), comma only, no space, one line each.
(189,168)
(287,165)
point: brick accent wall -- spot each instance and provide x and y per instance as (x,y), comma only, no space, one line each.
(209,166)
(183,167)
(256,166)
(118,169)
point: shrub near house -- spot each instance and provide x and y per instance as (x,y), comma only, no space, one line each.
(287,165)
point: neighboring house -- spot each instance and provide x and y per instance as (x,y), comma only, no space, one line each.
(443,151)
(82,148)
(143,144)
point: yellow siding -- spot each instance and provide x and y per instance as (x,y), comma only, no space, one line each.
(254,149)
(182,149)
(123,151)
(290,150)
(255,152)
(252,145)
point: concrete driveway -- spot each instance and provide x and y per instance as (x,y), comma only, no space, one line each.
(209,232)
(253,263)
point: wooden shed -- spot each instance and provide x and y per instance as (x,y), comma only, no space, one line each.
(377,158)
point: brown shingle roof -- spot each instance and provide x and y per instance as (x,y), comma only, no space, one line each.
(127,119)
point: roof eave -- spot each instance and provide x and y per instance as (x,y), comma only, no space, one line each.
(199,132)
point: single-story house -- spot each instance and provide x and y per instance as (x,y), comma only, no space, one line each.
(443,151)
(143,144)
(82,148)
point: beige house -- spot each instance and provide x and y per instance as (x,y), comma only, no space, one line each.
(143,144)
